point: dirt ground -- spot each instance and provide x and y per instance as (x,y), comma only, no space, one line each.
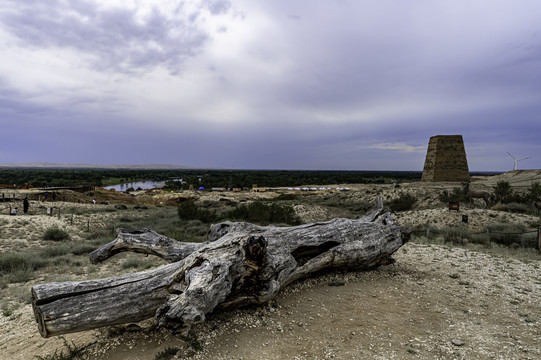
(434,302)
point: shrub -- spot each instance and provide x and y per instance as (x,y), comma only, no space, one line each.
(515,208)
(7,312)
(503,192)
(481,238)
(455,234)
(13,262)
(98,233)
(55,234)
(528,240)
(505,234)
(188,210)
(54,251)
(167,354)
(61,260)
(534,192)
(132,263)
(403,202)
(18,267)
(286,197)
(264,214)
(195,232)
(73,352)
(82,249)
(455,195)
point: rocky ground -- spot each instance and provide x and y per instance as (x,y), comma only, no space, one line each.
(436,301)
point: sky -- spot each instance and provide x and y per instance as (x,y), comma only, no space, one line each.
(244,84)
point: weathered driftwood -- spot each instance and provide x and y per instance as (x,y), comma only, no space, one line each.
(144,241)
(242,264)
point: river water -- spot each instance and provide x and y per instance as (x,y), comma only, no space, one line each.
(143,185)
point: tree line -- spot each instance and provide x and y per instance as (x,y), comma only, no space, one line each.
(39,177)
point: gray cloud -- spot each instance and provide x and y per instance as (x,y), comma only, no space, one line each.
(112,38)
(304,84)
(423,52)
(217,7)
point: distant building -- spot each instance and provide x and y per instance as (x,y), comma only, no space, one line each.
(446,159)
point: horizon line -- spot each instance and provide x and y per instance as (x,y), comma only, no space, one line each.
(49,165)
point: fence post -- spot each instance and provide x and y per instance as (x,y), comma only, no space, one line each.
(59,213)
(539,238)
(427,234)
(71,219)
(88,226)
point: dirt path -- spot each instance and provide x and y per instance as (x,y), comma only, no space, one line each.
(434,302)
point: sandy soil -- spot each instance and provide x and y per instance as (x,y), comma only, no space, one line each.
(435,302)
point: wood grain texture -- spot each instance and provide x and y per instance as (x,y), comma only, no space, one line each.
(241,264)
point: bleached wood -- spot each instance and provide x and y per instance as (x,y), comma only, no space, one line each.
(144,241)
(242,264)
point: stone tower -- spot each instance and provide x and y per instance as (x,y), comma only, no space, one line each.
(446,159)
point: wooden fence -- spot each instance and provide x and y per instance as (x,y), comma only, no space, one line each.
(67,215)
(488,232)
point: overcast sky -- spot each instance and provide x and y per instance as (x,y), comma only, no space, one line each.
(296,84)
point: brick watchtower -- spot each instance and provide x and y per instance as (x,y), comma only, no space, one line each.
(446,159)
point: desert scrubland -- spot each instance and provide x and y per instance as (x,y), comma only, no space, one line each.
(453,295)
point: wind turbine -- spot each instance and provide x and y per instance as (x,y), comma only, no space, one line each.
(517,160)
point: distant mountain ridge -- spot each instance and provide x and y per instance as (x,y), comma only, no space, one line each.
(96,166)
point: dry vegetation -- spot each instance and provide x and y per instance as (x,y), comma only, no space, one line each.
(456,294)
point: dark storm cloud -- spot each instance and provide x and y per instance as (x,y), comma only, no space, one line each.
(114,38)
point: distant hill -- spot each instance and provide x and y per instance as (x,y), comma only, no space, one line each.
(95,166)
(516,178)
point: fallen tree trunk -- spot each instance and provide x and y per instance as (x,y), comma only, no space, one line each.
(242,264)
